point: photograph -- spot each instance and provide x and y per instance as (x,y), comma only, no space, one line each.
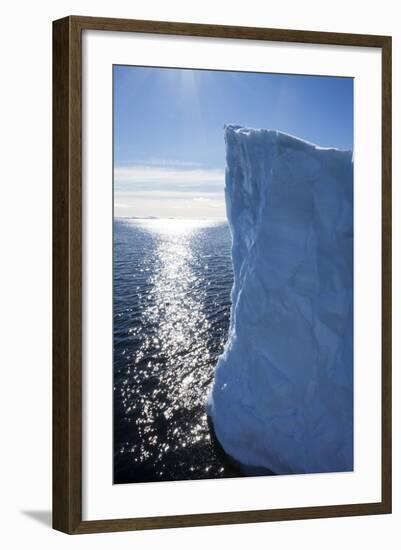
(233,279)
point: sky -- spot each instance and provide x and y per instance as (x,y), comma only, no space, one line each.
(169,151)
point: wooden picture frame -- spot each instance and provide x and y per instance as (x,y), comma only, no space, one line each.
(67,274)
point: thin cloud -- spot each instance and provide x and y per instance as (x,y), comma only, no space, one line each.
(160,162)
(171,176)
(126,196)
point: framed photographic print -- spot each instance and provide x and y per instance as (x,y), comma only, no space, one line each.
(221,274)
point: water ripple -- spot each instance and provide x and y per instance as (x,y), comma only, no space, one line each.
(172,283)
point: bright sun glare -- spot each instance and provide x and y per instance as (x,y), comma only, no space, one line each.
(175,227)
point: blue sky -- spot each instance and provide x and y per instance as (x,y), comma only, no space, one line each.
(169,153)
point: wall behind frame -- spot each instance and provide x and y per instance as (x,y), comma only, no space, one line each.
(25,289)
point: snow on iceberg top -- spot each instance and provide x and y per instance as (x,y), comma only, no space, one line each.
(285,137)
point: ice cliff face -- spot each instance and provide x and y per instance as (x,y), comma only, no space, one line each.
(282,398)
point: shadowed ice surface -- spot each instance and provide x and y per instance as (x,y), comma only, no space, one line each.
(172,284)
(282,398)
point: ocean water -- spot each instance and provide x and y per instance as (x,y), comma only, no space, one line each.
(172,285)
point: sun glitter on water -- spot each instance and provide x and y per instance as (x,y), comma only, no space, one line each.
(164,388)
(170,227)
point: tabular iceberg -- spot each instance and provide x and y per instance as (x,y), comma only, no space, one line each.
(282,397)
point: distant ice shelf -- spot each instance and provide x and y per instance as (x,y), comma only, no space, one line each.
(282,397)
